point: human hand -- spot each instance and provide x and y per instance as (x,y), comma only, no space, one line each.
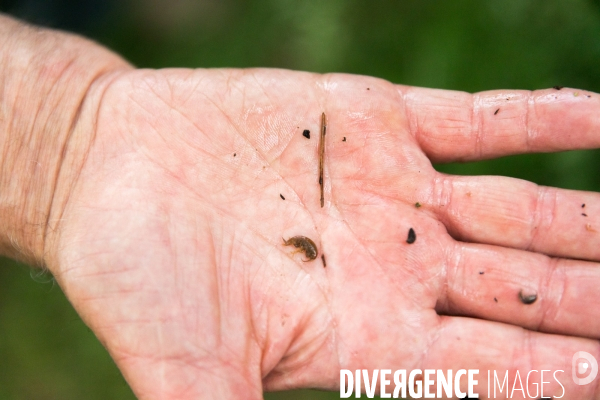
(169,242)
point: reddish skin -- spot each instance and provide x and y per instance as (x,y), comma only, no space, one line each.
(170,248)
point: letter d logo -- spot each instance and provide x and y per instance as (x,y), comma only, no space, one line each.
(583,363)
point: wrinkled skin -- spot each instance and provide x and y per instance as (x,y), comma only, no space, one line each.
(169,238)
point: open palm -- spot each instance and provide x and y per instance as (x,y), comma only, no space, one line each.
(170,245)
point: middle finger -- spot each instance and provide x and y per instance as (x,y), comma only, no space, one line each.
(519,214)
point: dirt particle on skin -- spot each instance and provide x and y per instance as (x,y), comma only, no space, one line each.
(418,205)
(282,198)
(323,258)
(527,298)
(584,214)
(496,112)
(575,94)
(234,154)
(557,87)
(412,236)
(368,88)
(306,133)
(481,272)
(344,139)
(583,205)
(495,299)
(469,194)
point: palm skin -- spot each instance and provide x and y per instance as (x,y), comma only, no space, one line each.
(170,241)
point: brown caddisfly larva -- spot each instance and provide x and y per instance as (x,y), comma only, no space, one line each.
(306,133)
(303,244)
(322,154)
(412,236)
(323,258)
(527,298)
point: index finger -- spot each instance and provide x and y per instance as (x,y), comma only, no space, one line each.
(458,126)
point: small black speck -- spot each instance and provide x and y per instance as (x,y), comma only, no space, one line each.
(481,272)
(412,236)
(584,214)
(323,258)
(234,154)
(495,299)
(588,96)
(418,205)
(306,133)
(496,112)
(557,87)
(583,205)
(527,299)
(344,139)
(368,88)
(282,198)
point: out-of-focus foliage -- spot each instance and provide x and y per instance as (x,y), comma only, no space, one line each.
(472,45)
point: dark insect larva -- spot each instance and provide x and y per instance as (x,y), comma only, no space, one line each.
(527,299)
(412,236)
(303,244)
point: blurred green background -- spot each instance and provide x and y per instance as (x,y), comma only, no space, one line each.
(47,352)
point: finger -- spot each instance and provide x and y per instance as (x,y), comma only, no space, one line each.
(519,214)
(464,343)
(522,288)
(459,126)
